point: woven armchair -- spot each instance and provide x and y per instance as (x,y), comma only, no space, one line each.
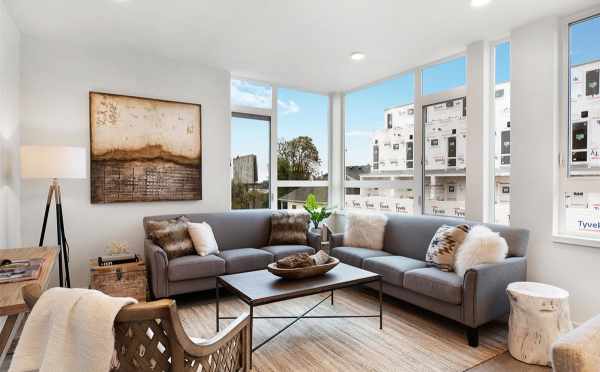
(149,337)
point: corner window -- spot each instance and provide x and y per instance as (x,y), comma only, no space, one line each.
(579,200)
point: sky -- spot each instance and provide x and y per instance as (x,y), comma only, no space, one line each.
(302,113)
(584,41)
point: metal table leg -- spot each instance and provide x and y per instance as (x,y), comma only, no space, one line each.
(380,303)
(332,297)
(251,332)
(217,303)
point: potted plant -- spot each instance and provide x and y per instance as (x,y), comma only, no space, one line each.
(316,212)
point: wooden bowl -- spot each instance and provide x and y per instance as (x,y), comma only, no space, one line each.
(303,272)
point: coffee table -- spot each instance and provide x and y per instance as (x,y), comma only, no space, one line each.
(258,288)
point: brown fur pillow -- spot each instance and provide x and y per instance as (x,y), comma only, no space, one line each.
(172,236)
(288,228)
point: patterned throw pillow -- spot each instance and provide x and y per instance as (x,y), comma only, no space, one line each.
(289,228)
(444,244)
(172,236)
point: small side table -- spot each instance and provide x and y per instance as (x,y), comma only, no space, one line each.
(122,280)
(325,247)
(539,313)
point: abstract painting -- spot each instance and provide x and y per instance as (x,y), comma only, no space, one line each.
(144,149)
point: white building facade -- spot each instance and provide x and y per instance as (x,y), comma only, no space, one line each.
(445,159)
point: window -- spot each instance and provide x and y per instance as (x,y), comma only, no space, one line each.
(302,147)
(445,131)
(501,123)
(250,182)
(580,181)
(584,70)
(278,157)
(444,76)
(379,130)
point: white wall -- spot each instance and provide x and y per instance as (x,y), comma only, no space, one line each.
(10,219)
(534,125)
(56,79)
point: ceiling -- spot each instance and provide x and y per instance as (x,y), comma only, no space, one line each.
(298,43)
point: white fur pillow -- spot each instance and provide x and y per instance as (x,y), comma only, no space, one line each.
(203,238)
(365,230)
(481,246)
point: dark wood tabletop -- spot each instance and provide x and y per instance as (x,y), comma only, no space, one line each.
(261,287)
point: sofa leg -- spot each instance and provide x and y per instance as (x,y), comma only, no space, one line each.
(473,336)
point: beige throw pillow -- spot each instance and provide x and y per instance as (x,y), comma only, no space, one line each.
(172,236)
(289,228)
(203,238)
(444,244)
(365,230)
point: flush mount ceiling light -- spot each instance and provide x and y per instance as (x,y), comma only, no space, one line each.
(479,3)
(357,56)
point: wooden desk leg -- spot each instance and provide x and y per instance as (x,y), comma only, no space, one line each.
(8,333)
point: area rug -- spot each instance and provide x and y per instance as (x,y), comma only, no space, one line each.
(412,339)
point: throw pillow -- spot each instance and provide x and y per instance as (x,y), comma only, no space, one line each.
(443,245)
(365,230)
(172,236)
(289,228)
(481,246)
(203,238)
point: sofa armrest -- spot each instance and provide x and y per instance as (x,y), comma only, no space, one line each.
(157,264)
(336,240)
(484,289)
(314,240)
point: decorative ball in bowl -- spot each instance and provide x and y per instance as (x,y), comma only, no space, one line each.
(303,272)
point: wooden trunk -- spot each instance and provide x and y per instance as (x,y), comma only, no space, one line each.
(539,313)
(125,280)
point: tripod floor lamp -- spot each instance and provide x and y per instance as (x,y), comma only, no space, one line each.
(55,163)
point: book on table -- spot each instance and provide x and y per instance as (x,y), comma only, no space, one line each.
(20,270)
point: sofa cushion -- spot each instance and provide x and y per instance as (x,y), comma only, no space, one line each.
(195,267)
(245,259)
(172,236)
(392,267)
(289,228)
(432,282)
(282,251)
(355,256)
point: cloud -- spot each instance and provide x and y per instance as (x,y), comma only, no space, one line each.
(244,93)
(287,107)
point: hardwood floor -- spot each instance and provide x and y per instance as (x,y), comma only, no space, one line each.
(504,363)
(412,339)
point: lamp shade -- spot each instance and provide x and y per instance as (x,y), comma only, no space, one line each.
(53,162)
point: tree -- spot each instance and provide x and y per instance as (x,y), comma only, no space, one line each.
(298,159)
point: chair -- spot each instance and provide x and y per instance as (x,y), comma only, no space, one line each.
(579,349)
(149,337)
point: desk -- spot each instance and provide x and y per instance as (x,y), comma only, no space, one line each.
(12,305)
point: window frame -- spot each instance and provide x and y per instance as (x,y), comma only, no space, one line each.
(272,113)
(564,181)
(420,101)
(492,118)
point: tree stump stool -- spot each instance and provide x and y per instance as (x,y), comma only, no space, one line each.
(539,313)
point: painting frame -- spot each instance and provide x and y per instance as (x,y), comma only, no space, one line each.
(194,169)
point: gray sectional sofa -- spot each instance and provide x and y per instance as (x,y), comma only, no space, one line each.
(474,300)
(243,239)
